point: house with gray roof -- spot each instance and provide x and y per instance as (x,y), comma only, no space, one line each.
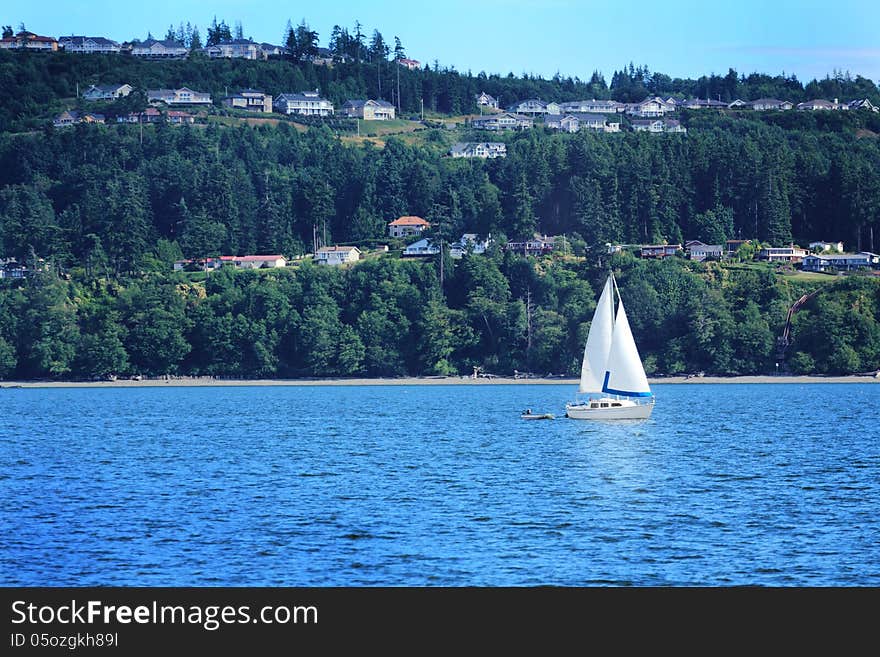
(307,103)
(503,121)
(234,49)
(155,49)
(767,104)
(182,96)
(484,149)
(485,100)
(88,45)
(252,100)
(107,91)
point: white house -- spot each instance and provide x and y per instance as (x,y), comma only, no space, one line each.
(469,243)
(840,261)
(239,262)
(337,255)
(421,249)
(484,149)
(651,107)
(592,106)
(782,254)
(504,121)
(153,49)
(700,252)
(657,125)
(308,103)
(252,100)
(369,110)
(765,104)
(534,107)
(235,49)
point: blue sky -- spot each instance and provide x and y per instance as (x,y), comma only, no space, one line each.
(573,37)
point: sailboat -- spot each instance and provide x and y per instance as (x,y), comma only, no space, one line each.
(613,384)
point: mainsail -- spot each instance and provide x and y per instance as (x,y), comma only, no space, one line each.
(598,341)
(624,374)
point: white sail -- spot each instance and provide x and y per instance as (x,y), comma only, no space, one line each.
(624,374)
(598,342)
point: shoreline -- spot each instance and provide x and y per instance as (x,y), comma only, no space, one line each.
(435,380)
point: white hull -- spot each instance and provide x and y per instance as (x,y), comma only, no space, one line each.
(622,409)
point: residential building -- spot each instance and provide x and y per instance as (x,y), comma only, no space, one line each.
(337,255)
(582,121)
(863,104)
(88,45)
(650,107)
(235,49)
(537,246)
(149,115)
(738,104)
(503,121)
(831,262)
(700,103)
(422,249)
(70,117)
(568,123)
(107,91)
(659,251)
(178,118)
(592,106)
(765,104)
(411,64)
(270,50)
(369,110)
(251,100)
(469,243)
(182,96)
(154,49)
(25,40)
(407,226)
(308,103)
(484,149)
(820,104)
(827,246)
(239,262)
(534,107)
(790,253)
(657,125)
(485,100)
(700,252)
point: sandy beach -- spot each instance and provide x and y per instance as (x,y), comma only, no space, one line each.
(428,380)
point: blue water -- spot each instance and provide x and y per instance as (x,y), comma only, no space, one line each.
(438,485)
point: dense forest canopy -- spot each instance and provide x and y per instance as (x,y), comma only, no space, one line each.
(108,209)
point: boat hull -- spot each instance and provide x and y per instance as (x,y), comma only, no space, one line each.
(627,410)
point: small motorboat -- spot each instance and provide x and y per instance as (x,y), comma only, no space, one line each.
(528,415)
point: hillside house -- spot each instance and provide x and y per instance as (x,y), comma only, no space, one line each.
(182,96)
(650,107)
(820,104)
(768,104)
(155,49)
(176,117)
(469,243)
(369,110)
(239,262)
(833,262)
(411,64)
(484,149)
(71,117)
(782,254)
(659,251)
(88,45)
(657,125)
(25,40)
(485,100)
(337,255)
(864,103)
(407,226)
(534,107)
(149,115)
(306,103)
(251,100)
(234,49)
(107,92)
(826,246)
(701,103)
(424,248)
(504,121)
(592,107)
(700,252)
(537,246)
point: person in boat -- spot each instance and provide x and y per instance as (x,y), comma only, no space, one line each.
(528,411)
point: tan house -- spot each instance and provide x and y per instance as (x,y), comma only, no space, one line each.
(251,100)
(88,45)
(407,226)
(107,91)
(235,49)
(70,117)
(307,103)
(369,110)
(337,255)
(485,100)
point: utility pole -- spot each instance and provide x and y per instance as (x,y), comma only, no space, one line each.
(397,61)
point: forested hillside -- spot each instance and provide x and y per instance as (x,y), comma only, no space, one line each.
(107,209)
